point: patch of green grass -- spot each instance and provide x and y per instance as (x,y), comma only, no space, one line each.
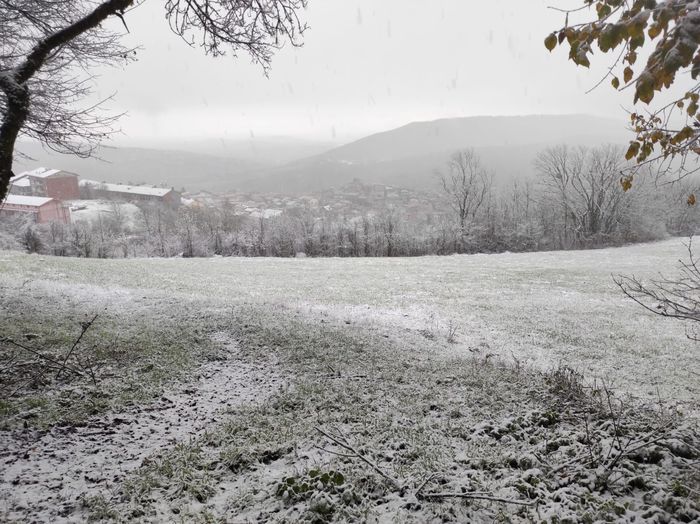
(133,354)
(100,509)
(182,472)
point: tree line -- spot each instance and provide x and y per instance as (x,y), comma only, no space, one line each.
(576,201)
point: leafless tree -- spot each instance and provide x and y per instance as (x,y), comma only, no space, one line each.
(47,46)
(585,185)
(389,226)
(117,209)
(306,223)
(82,239)
(677,297)
(467,184)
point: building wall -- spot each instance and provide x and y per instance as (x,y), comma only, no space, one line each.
(53,211)
(12,210)
(127,197)
(62,187)
(38,186)
(172,199)
(49,212)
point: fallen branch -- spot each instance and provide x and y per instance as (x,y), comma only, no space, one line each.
(41,356)
(339,376)
(477,495)
(343,443)
(423,484)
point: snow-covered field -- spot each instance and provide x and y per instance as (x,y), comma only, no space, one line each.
(543,309)
(430,367)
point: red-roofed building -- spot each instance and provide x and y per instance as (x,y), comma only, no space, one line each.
(40,209)
(43,182)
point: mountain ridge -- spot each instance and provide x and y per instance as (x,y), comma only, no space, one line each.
(411,154)
(408,155)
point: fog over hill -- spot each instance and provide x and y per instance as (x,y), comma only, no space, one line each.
(133,165)
(262,151)
(408,156)
(198,164)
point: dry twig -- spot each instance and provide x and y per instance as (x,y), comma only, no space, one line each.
(477,495)
(343,443)
(85,326)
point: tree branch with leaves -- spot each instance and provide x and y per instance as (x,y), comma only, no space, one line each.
(670,31)
(48,47)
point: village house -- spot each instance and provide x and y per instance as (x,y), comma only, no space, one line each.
(129,193)
(39,209)
(49,183)
(20,185)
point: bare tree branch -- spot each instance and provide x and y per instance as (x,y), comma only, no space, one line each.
(677,297)
(48,45)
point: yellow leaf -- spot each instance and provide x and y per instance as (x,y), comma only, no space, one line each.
(632,151)
(645,88)
(654,31)
(626,182)
(628,74)
(550,42)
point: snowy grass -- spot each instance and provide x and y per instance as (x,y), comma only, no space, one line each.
(136,346)
(435,425)
(541,309)
(431,367)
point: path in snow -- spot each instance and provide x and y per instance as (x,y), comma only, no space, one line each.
(43,477)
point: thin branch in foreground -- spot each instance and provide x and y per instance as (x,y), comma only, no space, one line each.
(85,326)
(343,443)
(423,484)
(41,356)
(476,495)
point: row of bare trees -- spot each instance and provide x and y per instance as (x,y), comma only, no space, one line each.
(576,201)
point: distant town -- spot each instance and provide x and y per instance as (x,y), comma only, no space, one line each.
(45,195)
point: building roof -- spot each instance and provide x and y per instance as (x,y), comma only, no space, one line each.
(44,172)
(21,200)
(134,190)
(20,181)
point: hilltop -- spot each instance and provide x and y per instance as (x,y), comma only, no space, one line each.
(408,156)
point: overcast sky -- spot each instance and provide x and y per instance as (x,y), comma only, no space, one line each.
(366,66)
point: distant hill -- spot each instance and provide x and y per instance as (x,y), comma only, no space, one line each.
(213,165)
(145,166)
(410,155)
(263,151)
